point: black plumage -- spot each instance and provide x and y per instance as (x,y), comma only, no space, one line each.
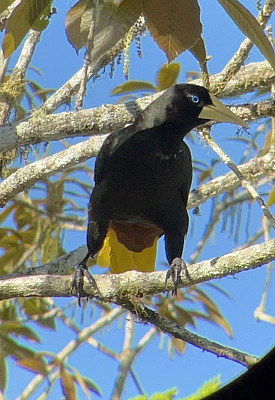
(143,176)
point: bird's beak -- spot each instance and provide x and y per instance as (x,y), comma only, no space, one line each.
(217,111)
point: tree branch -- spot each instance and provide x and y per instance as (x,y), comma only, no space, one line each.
(245,183)
(27,176)
(175,330)
(124,288)
(252,170)
(107,118)
(113,287)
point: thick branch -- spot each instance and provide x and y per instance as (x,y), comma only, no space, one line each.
(27,176)
(252,170)
(41,128)
(113,287)
(123,288)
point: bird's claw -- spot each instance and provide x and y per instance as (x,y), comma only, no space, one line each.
(176,267)
(77,283)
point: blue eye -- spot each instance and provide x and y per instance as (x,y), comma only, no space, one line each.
(195,99)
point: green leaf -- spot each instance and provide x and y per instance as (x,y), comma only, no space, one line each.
(14,349)
(85,383)
(133,86)
(23,17)
(92,386)
(16,328)
(168,75)
(250,27)
(271,198)
(208,388)
(3,370)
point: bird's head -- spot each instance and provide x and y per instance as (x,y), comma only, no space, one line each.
(198,106)
(183,107)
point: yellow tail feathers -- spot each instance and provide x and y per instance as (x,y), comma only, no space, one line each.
(115,255)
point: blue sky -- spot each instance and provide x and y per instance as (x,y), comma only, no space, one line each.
(157,372)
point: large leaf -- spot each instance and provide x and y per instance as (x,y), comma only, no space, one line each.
(199,51)
(250,27)
(23,17)
(78,22)
(174,25)
(111,24)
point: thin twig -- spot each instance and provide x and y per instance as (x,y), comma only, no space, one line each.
(86,62)
(204,133)
(70,348)
(214,219)
(150,316)
(126,358)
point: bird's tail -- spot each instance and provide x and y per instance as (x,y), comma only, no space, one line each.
(115,255)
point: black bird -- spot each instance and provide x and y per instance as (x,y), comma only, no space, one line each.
(258,383)
(143,175)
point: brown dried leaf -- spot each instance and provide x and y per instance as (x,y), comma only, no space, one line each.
(78,22)
(199,51)
(111,24)
(179,345)
(174,25)
(34,365)
(68,385)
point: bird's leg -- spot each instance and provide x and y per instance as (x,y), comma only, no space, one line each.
(174,271)
(174,241)
(77,283)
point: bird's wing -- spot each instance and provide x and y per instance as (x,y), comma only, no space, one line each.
(155,114)
(106,155)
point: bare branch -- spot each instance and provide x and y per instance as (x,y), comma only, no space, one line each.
(175,330)
(41,128)
(71,347)
(252,170)
(86,63)
(11,91)
(113,286)
(122,288)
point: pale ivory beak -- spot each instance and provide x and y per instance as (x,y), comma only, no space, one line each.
(220,113)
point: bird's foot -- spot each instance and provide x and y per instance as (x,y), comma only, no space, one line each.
(77,283)
(176,267)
